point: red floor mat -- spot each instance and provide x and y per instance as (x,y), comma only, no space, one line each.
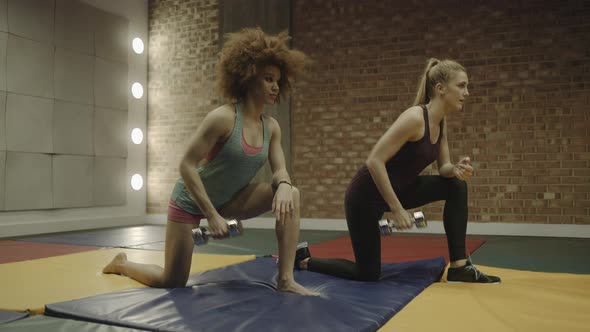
(396,248)
(16,251)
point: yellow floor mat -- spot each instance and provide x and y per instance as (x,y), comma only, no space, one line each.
(29,285)
(524,301)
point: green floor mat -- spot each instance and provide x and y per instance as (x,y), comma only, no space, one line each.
(565,255)
(258,242)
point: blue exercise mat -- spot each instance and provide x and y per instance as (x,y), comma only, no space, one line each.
(242,297)
(10,316)
(40,323)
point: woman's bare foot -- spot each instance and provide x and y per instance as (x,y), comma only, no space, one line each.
(293,287)
(113,266)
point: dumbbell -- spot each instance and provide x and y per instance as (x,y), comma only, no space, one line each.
(387,226)
(202,234)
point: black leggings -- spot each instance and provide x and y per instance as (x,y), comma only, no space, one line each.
(362,217)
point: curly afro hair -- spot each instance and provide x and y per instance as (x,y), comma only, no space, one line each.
(246,52)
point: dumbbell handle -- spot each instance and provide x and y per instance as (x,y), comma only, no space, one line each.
(417,218)
(231,229)
(201,234)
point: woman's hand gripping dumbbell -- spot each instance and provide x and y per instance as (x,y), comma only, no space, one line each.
(202,234)
(387,226)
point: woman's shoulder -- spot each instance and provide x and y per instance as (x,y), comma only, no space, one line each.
(269,119)
(411,121)
(271,123)
(413,114)
(223,113)
(221,119)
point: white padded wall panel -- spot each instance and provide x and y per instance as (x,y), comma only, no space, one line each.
(73,128)
(74,26)
(2,178)
(110,133)
(3,18)
(63,105)
(111,39)
(29,68)
(3,50)
(73,77)
(110,181)
(72,181)
(28,181)
(29,123)
(32,19)
(2,121)
(110,84)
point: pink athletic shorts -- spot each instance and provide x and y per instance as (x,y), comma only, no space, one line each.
(175,213)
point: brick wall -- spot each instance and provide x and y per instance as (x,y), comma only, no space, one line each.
(183,44)
(525,125)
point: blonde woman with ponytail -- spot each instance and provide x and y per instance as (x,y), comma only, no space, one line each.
(391,181)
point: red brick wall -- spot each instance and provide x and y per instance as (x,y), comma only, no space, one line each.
(525,125)
(183,37)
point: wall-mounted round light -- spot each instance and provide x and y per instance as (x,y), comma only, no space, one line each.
(137,136)
(137,45)
(136,182)
(137,90)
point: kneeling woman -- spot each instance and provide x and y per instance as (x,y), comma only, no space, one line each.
(230,145)
(390,181)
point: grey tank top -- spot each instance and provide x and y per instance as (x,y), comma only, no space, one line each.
(229,171)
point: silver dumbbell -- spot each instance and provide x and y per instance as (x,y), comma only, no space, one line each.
(387,226)
(202,234)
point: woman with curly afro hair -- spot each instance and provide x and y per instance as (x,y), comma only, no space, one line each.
(230,145)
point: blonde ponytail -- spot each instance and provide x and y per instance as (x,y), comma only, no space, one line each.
(422,96)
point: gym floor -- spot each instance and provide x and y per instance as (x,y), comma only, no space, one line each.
(516,306)
(540,254)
